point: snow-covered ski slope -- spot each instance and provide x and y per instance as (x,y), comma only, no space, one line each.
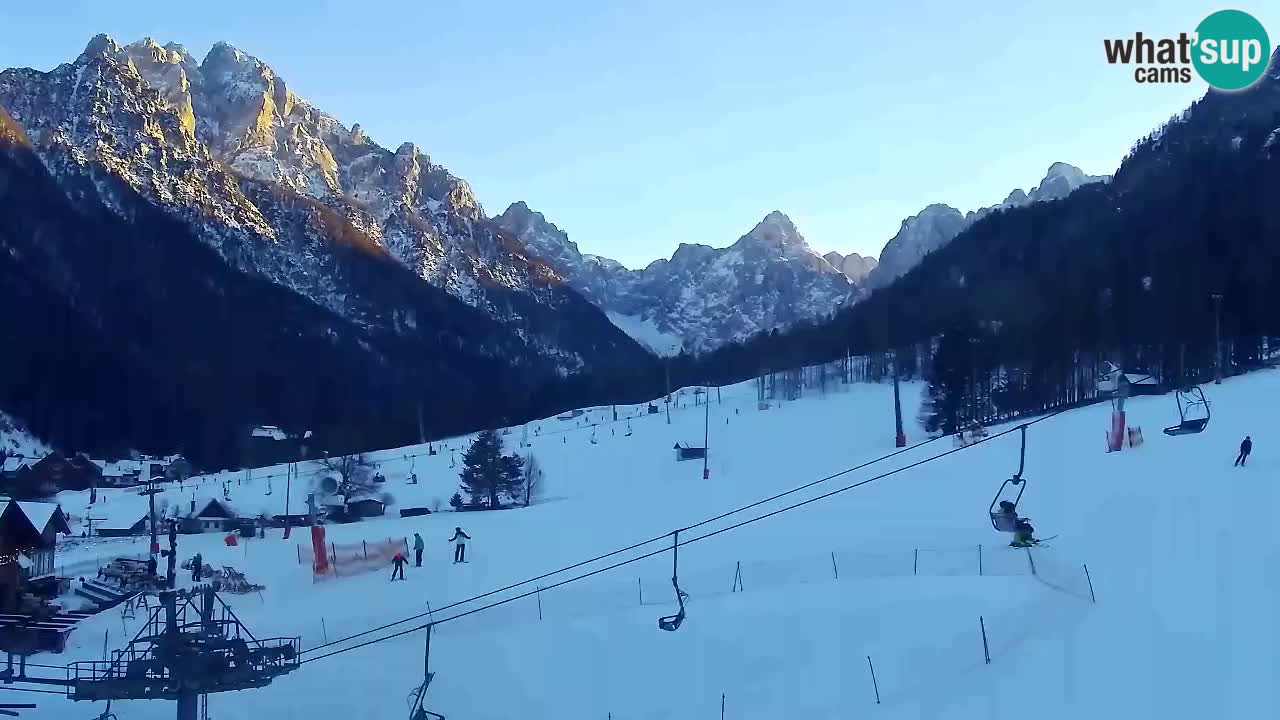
(1179,545)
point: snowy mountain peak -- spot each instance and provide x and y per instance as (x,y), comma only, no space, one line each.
(1017,197)
(776,228)
(1061,180)
(854,266)
(702,296)
(271,179)
(101,45)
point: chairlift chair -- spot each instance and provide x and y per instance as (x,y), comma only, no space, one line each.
(1017,481)
(1188,399)
(671,623)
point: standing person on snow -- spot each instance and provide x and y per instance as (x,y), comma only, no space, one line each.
(1246,447)
(397,565)
(459,550)
(418,547)
(197,566)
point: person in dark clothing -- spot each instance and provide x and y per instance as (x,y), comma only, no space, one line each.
(197,567)
(151,565)
(1246,447)
(418,547)
(397,566)
(1024,535)
(460,549)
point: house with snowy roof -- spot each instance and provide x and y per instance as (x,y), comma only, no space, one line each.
(119,473)
(54,473)
(28,540)
(12,465)
(213,516)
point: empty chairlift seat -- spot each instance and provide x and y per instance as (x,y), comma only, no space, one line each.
(689,453)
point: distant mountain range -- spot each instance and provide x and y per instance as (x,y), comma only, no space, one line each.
(220,244)
(936,225)
(273,184)
(702,297)
(289,231)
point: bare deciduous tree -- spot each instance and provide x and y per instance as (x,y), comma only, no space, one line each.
(533,479)
(355,475)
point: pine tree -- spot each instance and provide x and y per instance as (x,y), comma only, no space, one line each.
(946,396)
(487,474)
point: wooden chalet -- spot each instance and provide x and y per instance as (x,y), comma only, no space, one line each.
(28,540)
(56,472)
(214,516)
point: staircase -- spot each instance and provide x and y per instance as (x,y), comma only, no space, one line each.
(103,595)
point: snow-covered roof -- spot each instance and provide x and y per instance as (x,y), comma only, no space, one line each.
(120,523)
(226,505)
(120,468)
(12,464)
(38,513)
(269,431)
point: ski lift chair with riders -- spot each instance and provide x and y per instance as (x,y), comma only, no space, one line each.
(1004,506)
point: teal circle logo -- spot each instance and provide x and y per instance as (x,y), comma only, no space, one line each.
(1232,50)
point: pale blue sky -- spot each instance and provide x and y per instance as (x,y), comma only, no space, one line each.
(636,126)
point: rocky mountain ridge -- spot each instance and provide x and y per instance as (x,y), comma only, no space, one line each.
(702,296)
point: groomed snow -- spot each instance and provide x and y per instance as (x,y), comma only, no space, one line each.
(1180,552)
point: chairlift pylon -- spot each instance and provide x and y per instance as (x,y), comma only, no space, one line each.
(1000,520)
(671,623)
(1188,399)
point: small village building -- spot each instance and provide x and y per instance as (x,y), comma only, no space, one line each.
(28,542)
(214,516)
(54,473)
(116,528)
(366,507)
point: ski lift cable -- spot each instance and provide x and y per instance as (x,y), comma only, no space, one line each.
(629,547)
(660,551)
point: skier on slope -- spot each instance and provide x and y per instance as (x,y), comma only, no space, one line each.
(1246,447)
(460,549)
(397,565)
(418,547)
